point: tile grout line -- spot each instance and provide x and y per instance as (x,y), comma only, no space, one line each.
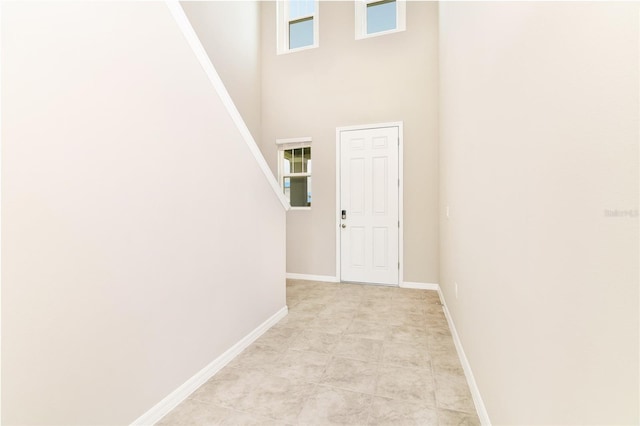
(319,301)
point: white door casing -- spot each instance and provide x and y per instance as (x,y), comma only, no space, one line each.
(369,195)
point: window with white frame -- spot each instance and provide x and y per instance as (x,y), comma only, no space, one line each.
(297,25)
(378,17)
(294,170)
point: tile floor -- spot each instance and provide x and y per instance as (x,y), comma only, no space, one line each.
(346,354)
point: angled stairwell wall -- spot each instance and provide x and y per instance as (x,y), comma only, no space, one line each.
(235,53)
(132,254)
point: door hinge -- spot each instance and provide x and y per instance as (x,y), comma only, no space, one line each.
(398,265)
(398,224)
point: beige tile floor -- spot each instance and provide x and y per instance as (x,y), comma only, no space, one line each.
(346,354)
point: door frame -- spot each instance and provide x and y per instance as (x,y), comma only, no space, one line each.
(399,125)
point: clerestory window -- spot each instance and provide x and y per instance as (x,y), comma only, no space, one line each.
(297,25)
(378,17)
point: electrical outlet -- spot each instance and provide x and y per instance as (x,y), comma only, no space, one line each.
(455,286)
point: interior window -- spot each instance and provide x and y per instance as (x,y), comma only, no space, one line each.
(295,174)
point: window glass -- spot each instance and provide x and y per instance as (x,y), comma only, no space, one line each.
(301,33)
(301,8)
(381,16)
(299,191)
(308,160)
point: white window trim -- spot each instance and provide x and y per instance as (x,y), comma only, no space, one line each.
(291,143)
(282,27)
(361,19)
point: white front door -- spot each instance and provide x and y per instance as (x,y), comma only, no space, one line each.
(369,222)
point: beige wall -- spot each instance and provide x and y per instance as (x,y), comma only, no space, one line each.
(348,82)
(539,136)
(230,33)
(125,232)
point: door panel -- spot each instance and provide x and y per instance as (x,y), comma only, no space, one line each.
(369,194)
(380,176)
(356,186)
(356,246)
(380,243)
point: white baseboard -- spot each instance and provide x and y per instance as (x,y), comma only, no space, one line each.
(473,386)
(325,278)
(420,286)
(172,400)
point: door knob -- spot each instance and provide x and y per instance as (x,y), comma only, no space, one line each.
(344,226)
